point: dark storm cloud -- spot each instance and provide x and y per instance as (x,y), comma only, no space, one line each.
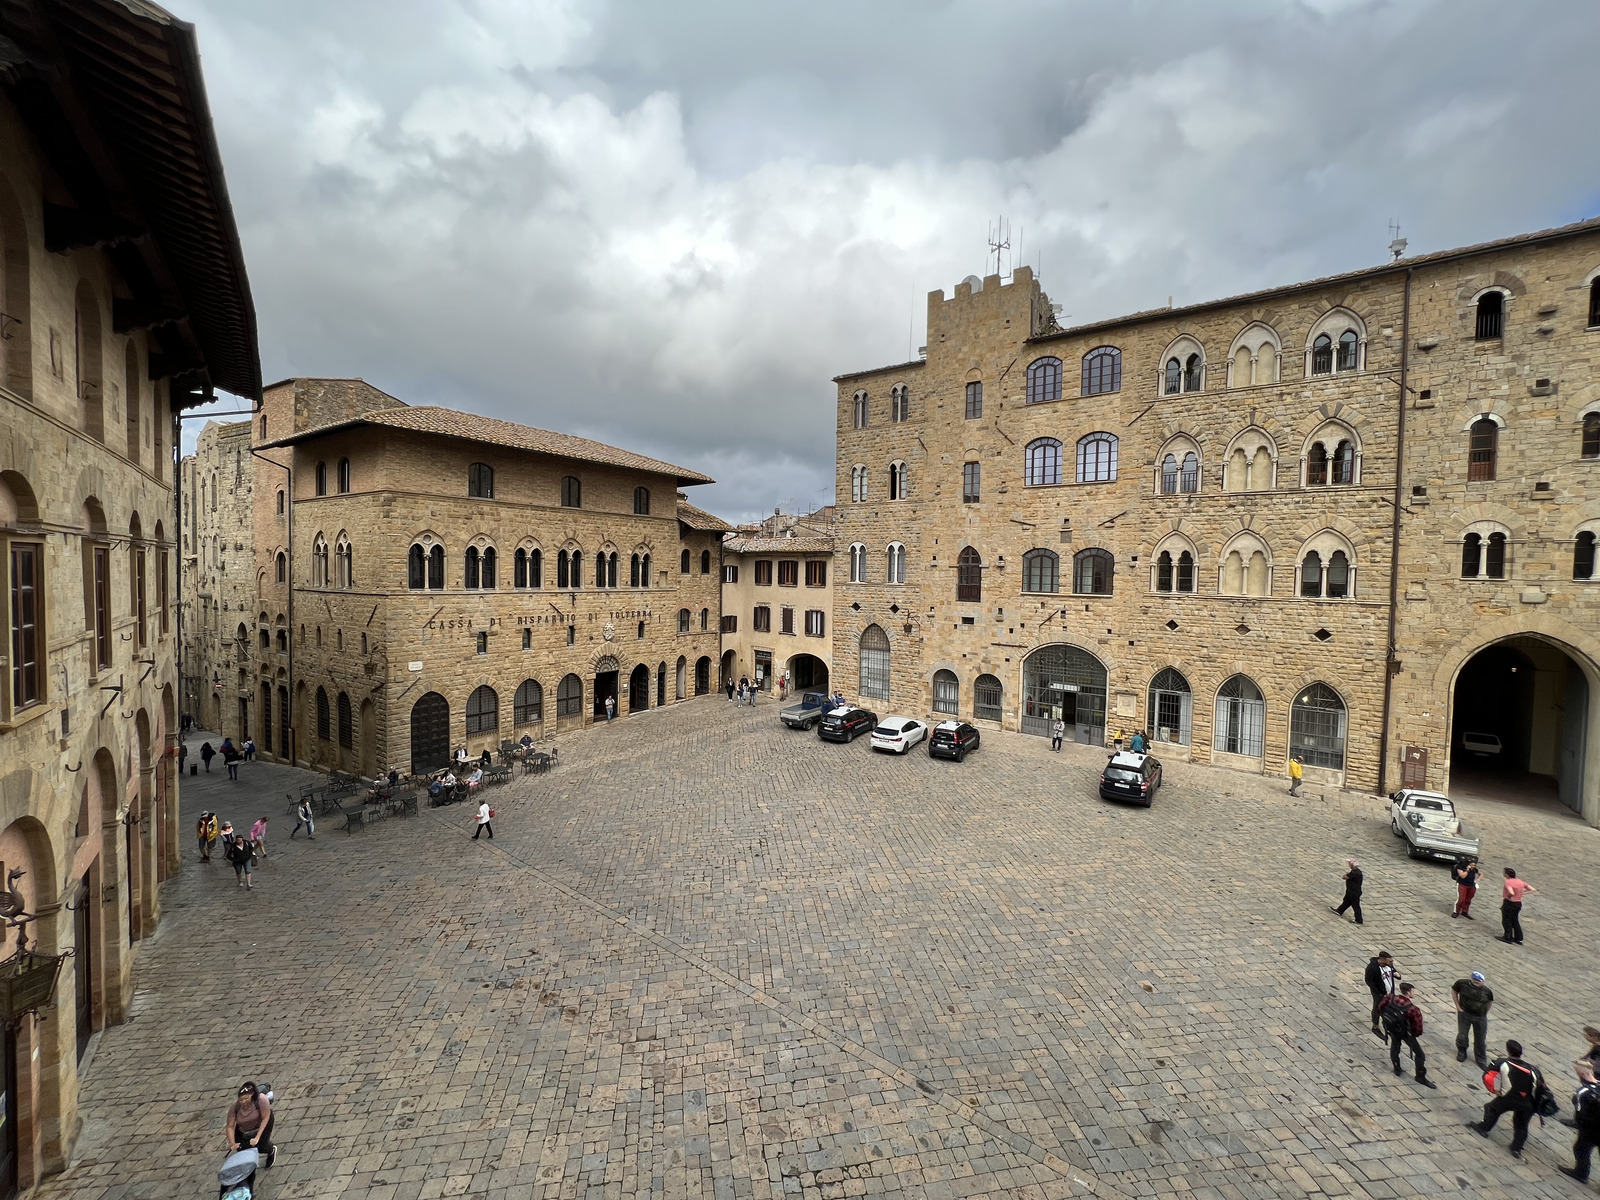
(667,225)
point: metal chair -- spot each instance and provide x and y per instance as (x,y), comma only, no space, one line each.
(354,820)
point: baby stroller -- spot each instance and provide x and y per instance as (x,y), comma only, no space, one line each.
(236,1178)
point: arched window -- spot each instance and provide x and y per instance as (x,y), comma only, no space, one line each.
(577,569)
(1322,355)
(987,695)
(705,619)
(436,567)
(705,562)
(1482,445)
(1092,572)
(483,710)
(1317,727)
(1349,350)
(1240,719)
(897,481)
(417,568)
(322,479)
(1041,571)
(969,576)
(899,403)
(324,721)
(319,562)
(1589,444)
(1338,581)
(471,577)
(683,563)
(644,571)
(527,706)
(489,562)
(1471,555)
(1174,377)
(1494,557)
(347,732)
(1169,475)
(1311,575)
(344,559)
(874,663)
(569,697)
(283,568)
(1044,380)
(1344,462)
(683,620)
(280,502)
(600,570)
(859,411)
(1192,373)
(1491,316)
(563,569)
(858,563)
(946,692)
(1171,707)
(858,484)
(897,563)
(1042,462)
(480,481)
(263,427)
(633,570)
(1189,479)
(1097,458)
(1583,556)
(571,492)
(1102,371)
(1164,571)
(641,502)
(609,563)
(1316,465)
(519,568)
(343,478)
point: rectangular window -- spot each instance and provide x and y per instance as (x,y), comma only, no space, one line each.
(527,639)
(730,573)
(816,572)
(974,400)
(816,622)
(764,572)
(788,621)
(27,599)
(761,619)
(789,572)
(730,624)
(971,479)
(102,606)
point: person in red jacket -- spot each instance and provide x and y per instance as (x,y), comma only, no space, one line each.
(1402,1025)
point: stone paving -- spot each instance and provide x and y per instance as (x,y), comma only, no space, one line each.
(708,956)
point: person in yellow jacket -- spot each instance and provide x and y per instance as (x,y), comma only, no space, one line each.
(205,829)
(1295,774)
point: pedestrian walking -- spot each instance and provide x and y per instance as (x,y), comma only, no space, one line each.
(205,830)
(1354,881)
(1402,1026)
(250,1123)
(183,753)
(231,757)
(1511,894)
(1465,873)
(1139,743)
(1585,1119)
(1296,774)
(1516,1085)
(728,683)
(1472,998)
(242,855)
(485,814)
(1058,730)
(611,707)
(207,754)
(249,749)
(258,837)
(304,817)
(1382,976)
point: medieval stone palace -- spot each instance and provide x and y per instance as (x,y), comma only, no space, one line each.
(1350,520)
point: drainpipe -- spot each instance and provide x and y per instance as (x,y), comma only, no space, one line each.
(1391,664)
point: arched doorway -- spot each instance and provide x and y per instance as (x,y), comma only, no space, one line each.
(1519,723)
(730,665)
(807,673)
(569,703)
(430,733)
(639,689)
(605,685)
(702,676)
(1067,682)
(661,685)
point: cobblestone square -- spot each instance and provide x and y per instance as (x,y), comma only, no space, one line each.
(708,956)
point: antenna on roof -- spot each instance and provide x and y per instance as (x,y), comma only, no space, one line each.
(1397,244)
(1000,242)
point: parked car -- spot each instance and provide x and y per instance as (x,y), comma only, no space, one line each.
(898,734)
(808,713)
(1431,825)
(952,739)
(845,724)
(1481,745)
(1130,776)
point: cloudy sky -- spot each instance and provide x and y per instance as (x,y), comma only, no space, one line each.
(668,224)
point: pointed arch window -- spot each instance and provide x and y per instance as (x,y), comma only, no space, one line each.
(436,568)
(1343,463)
(705,562)
(1349,350)
(417,568)
(1044,380)
(1317,465)
(1311,575)
(899,403)
(897,563)
(874,650)
(633,570)
(858,484)
(858,563)
(897,481)
(1322,355)
(969,576)
(470,578)
(859,411)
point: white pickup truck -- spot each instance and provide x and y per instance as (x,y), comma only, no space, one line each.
(1431,826)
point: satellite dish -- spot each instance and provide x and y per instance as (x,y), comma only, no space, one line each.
(975,282)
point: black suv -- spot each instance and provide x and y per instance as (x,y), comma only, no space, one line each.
(952,739)
(1130,776)
(844,724)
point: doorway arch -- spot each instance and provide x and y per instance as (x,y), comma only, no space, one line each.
(730,666)
(639,689)
(430,733)
(1069,682)
(702,676)
(807,673)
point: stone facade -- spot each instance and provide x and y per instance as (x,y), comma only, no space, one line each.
(1197,470)
(777,602)
(96,358)
(371,495)
(218,585)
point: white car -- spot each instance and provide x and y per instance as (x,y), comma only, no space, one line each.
(898,734)
(1482,745)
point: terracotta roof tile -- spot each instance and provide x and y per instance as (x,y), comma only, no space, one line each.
(778,545)
(700,519)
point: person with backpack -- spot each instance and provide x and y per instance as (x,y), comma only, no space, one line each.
(1354,881)
(1585,1119)
(205,830)
(1517,1086)
(1472,999)
(1382,978)
(1402,1026)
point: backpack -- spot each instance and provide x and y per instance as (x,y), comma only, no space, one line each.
(1521,1081)
(1397,1019)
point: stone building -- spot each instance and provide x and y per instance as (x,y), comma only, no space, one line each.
(428,579)
(218,604)
(1350,519)
(123,299)
(777,601)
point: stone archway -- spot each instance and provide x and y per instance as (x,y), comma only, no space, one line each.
(1061,680)
(38,1052)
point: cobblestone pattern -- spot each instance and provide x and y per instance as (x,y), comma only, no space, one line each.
(710,957)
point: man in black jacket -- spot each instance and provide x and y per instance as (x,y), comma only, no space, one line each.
(1353,882)
(1586,1119)
(1381,981)
(1402,1025)
(1517,1087)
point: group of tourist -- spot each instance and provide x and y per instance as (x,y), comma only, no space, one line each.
(243,851)
(232,755)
